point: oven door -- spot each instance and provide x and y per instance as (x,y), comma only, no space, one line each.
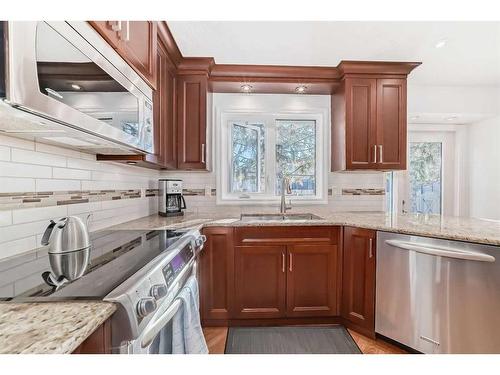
(156,338)
(65,72)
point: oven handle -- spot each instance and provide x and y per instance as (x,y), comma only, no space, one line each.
(151,332)
(441,251)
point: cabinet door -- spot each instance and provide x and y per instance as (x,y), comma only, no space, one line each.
(109,30)
(99,342)
(164,107)
(391,123)
(135,41)
(260,281)
(139,43)
(217,274)
(192,121)
(312,280)
(358,279)
(360,122)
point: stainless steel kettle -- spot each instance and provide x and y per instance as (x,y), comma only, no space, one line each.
(69,250)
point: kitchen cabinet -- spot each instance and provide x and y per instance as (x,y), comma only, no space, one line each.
(135,42)
(164,107)
(369,124)
(358,279)
(216,271)
(192,92)
(260,281)
(312,280)
(99,342)
(290,272)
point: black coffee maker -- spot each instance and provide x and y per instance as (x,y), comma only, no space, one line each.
(170,202)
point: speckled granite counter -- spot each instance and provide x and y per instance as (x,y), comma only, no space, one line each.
(49,327)
(447,227)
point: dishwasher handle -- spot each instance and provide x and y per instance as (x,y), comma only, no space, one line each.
(441,251)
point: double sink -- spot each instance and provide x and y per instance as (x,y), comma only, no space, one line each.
(278,217)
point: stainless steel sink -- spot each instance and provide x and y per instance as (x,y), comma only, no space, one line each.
(278,217)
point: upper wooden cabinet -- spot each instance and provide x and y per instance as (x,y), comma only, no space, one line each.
(164,106)
(358,279)
(136,43)
(192,90)
(369,116)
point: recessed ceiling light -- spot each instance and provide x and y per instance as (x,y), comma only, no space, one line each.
(300,89)
(441,43)
(131,162)
(246,88)
(76,87)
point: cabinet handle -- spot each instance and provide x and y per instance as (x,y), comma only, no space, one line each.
(381,154)
(375,154)
(370,251)
(127,31)
(116,26)
(283,262)
(203,152)
(290,266)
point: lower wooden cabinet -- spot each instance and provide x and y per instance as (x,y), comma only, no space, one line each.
(260,281)
(99,342)
(358,280)
(216,274)
(312,280)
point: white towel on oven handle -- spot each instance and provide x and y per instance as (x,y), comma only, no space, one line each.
(187,335)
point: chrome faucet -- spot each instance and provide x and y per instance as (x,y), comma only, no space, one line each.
(285,189)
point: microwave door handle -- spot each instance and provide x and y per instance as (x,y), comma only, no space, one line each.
(183,207)
(442,251)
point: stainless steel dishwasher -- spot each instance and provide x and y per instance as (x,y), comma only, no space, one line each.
(438,296)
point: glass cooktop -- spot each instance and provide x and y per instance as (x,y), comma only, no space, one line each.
(114,257)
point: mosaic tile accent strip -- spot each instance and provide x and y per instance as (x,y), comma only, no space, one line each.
(13,201)
(193,191)
(151,192)
(363,191)
(213,192)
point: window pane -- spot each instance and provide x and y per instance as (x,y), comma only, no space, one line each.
(425,177)
(247,167)
(296,155)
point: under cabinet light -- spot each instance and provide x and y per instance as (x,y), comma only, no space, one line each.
(246,88)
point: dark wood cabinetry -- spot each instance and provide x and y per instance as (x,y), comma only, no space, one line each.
(312,280)
(136,43)
(99,342)
(217,274)
(192,92)
(164,106)
(358,279)
(260,281)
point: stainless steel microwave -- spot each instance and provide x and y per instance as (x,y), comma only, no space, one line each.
(64,84)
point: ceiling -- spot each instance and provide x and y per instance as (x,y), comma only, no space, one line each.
(470,55)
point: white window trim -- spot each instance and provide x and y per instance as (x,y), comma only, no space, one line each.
(223,146)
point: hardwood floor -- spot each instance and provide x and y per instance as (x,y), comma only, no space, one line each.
(216,341)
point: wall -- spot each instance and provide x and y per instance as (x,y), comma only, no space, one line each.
(203,184)
(39,182)
(484,169)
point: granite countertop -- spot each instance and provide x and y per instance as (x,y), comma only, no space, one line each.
(49,327)
(437,226)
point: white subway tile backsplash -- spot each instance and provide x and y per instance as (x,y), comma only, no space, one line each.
(5,218)
(15,232)
(74,209)
(24,170)
(57,185)
(82,164)
(11,184)
(11,248)
(51,149)
(29,215)
(16,142)
(71,174)
(4,153)
(41,158)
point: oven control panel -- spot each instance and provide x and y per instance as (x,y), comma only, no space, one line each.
(175,266)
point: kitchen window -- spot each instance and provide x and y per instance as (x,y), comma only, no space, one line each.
(257,150)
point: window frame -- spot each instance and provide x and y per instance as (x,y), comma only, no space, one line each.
(224,120)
